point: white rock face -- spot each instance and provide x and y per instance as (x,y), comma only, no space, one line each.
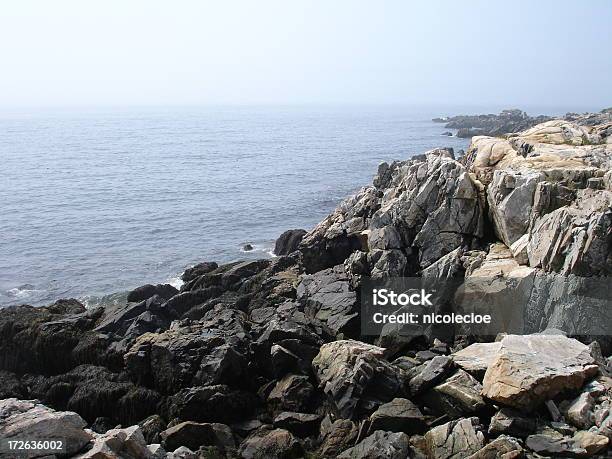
(29,420)
(549,188)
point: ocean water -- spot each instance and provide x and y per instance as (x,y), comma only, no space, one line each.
(94,203)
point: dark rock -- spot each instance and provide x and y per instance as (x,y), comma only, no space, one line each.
(492,125)
(198,270)
(41,340)
(300,424)
(10,386)
(270,444)
(430,373)
(328,298)
(289,241)
(181,303)
(210,404)
(293,393)
(398,415)
(509,422)
(380,444)
(247,247)
(193,435)
(447,133)
(102,424)
(553,443)
(207,352)
(165,291)
(244,428)
(151,427)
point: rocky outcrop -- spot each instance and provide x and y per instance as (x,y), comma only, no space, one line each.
(492,125)
(416,212)
(266,358)
(289,241)
(528,370)
(356,377)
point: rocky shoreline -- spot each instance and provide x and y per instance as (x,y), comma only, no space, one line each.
(265,359)
(509,121)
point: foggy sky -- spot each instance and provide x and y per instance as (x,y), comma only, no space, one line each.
(118,52)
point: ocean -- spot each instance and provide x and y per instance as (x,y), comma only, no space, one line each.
(94,203)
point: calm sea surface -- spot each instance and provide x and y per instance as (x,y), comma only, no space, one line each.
(98,202)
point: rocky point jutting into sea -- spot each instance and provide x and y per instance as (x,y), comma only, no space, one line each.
(264,359)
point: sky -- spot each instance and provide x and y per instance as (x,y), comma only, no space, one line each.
(183,52)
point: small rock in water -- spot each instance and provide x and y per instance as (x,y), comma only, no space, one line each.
(247,247)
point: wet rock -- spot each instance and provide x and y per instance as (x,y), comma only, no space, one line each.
(380,444)
(398,415)
(455,440)
(217,403)
(531,369)
(355,376)
(300,424)
(164,291)
(23,419)
(194,434)
(198,270)
(289,241)
(42,340)
(207,352)
(272,444)
(509,422)
(430,373)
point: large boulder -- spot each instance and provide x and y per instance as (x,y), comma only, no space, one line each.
(29,420)
(165,291)
(531,369)
(289,241)
(455,440)
(356,377)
